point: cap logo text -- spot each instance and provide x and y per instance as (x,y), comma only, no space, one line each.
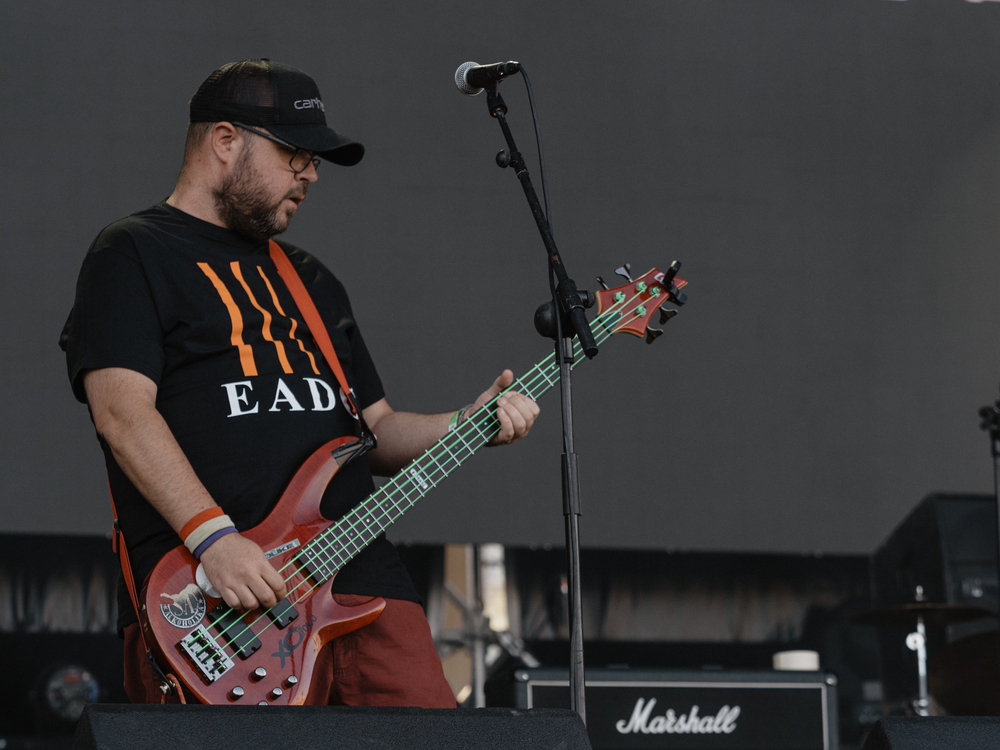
(309,104)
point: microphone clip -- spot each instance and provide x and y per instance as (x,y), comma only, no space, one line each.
(494,101)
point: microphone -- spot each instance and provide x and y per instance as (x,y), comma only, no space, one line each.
(471,77)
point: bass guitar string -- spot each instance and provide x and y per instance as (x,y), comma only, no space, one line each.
(605,333)
(331,536)
(323,543)
(419,473)
(607,329)
(319,547)
(421,466)
(420,469)
(372,504)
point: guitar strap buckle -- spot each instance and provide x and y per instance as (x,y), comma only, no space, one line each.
(347,453)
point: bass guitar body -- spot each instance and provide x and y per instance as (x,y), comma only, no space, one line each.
(224,656)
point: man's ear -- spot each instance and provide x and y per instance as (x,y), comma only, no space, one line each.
(226,141)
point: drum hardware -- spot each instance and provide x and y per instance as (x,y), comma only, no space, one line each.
(919,613)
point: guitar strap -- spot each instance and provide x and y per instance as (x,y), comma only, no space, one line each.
(308,309)
(118,546)
(170,684)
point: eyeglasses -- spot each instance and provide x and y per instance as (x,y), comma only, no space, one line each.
(301,158)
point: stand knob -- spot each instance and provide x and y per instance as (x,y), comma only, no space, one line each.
(503,159)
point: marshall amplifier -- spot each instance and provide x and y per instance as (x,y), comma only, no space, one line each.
(703,709)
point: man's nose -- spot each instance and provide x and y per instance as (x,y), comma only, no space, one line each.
(309,174)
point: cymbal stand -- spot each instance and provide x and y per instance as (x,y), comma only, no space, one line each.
(917,641)
(990,421)
(476,633)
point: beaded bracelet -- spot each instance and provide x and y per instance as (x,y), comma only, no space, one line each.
(458,417)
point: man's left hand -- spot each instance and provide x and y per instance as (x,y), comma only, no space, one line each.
(515,411)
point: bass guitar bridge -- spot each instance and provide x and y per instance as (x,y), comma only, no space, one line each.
(209,656)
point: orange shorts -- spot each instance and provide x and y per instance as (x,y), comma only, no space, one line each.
(389,662)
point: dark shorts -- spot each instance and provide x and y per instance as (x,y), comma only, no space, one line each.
(390,662)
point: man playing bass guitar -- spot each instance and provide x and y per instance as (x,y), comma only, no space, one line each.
(208,389)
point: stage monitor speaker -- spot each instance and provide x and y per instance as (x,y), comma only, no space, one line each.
(934,733)
(122,727)
(707,709)
(948,546)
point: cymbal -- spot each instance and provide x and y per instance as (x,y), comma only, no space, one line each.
(965,677)
(932,612)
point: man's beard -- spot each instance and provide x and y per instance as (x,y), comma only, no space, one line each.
(245,205)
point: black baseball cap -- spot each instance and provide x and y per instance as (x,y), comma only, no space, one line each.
(277,97)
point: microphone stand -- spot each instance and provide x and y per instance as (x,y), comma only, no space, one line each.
(990,421)
(569,306)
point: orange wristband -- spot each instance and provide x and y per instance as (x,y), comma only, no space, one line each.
(198,520)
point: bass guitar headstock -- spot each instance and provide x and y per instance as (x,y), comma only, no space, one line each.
(639,300)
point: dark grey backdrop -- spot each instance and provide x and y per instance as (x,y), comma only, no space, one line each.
(827,170)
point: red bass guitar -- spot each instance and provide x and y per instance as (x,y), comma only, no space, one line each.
(225,656)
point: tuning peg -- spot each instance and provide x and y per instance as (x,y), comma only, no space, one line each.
(625,271)
(668,277)
(666,315)
(601,282)
(652,334)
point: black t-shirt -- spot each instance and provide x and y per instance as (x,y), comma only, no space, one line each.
(246,392)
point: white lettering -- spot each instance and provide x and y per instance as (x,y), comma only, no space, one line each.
(241,397)
(418,478)
(314,387)
(640,715)
(282,394)
(309,104)
(723,722)
(692,722)
(719,718)
(671,721)
(729,725)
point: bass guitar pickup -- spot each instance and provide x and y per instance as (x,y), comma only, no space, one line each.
(206,653)
(282,613)
(234,630)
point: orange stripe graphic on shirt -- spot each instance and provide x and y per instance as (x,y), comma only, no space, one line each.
(246,353)
(295,323)
(279,347)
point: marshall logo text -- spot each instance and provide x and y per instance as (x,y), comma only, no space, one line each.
(641,721)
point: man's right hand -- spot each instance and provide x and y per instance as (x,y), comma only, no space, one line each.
(238,570)
(123,405)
